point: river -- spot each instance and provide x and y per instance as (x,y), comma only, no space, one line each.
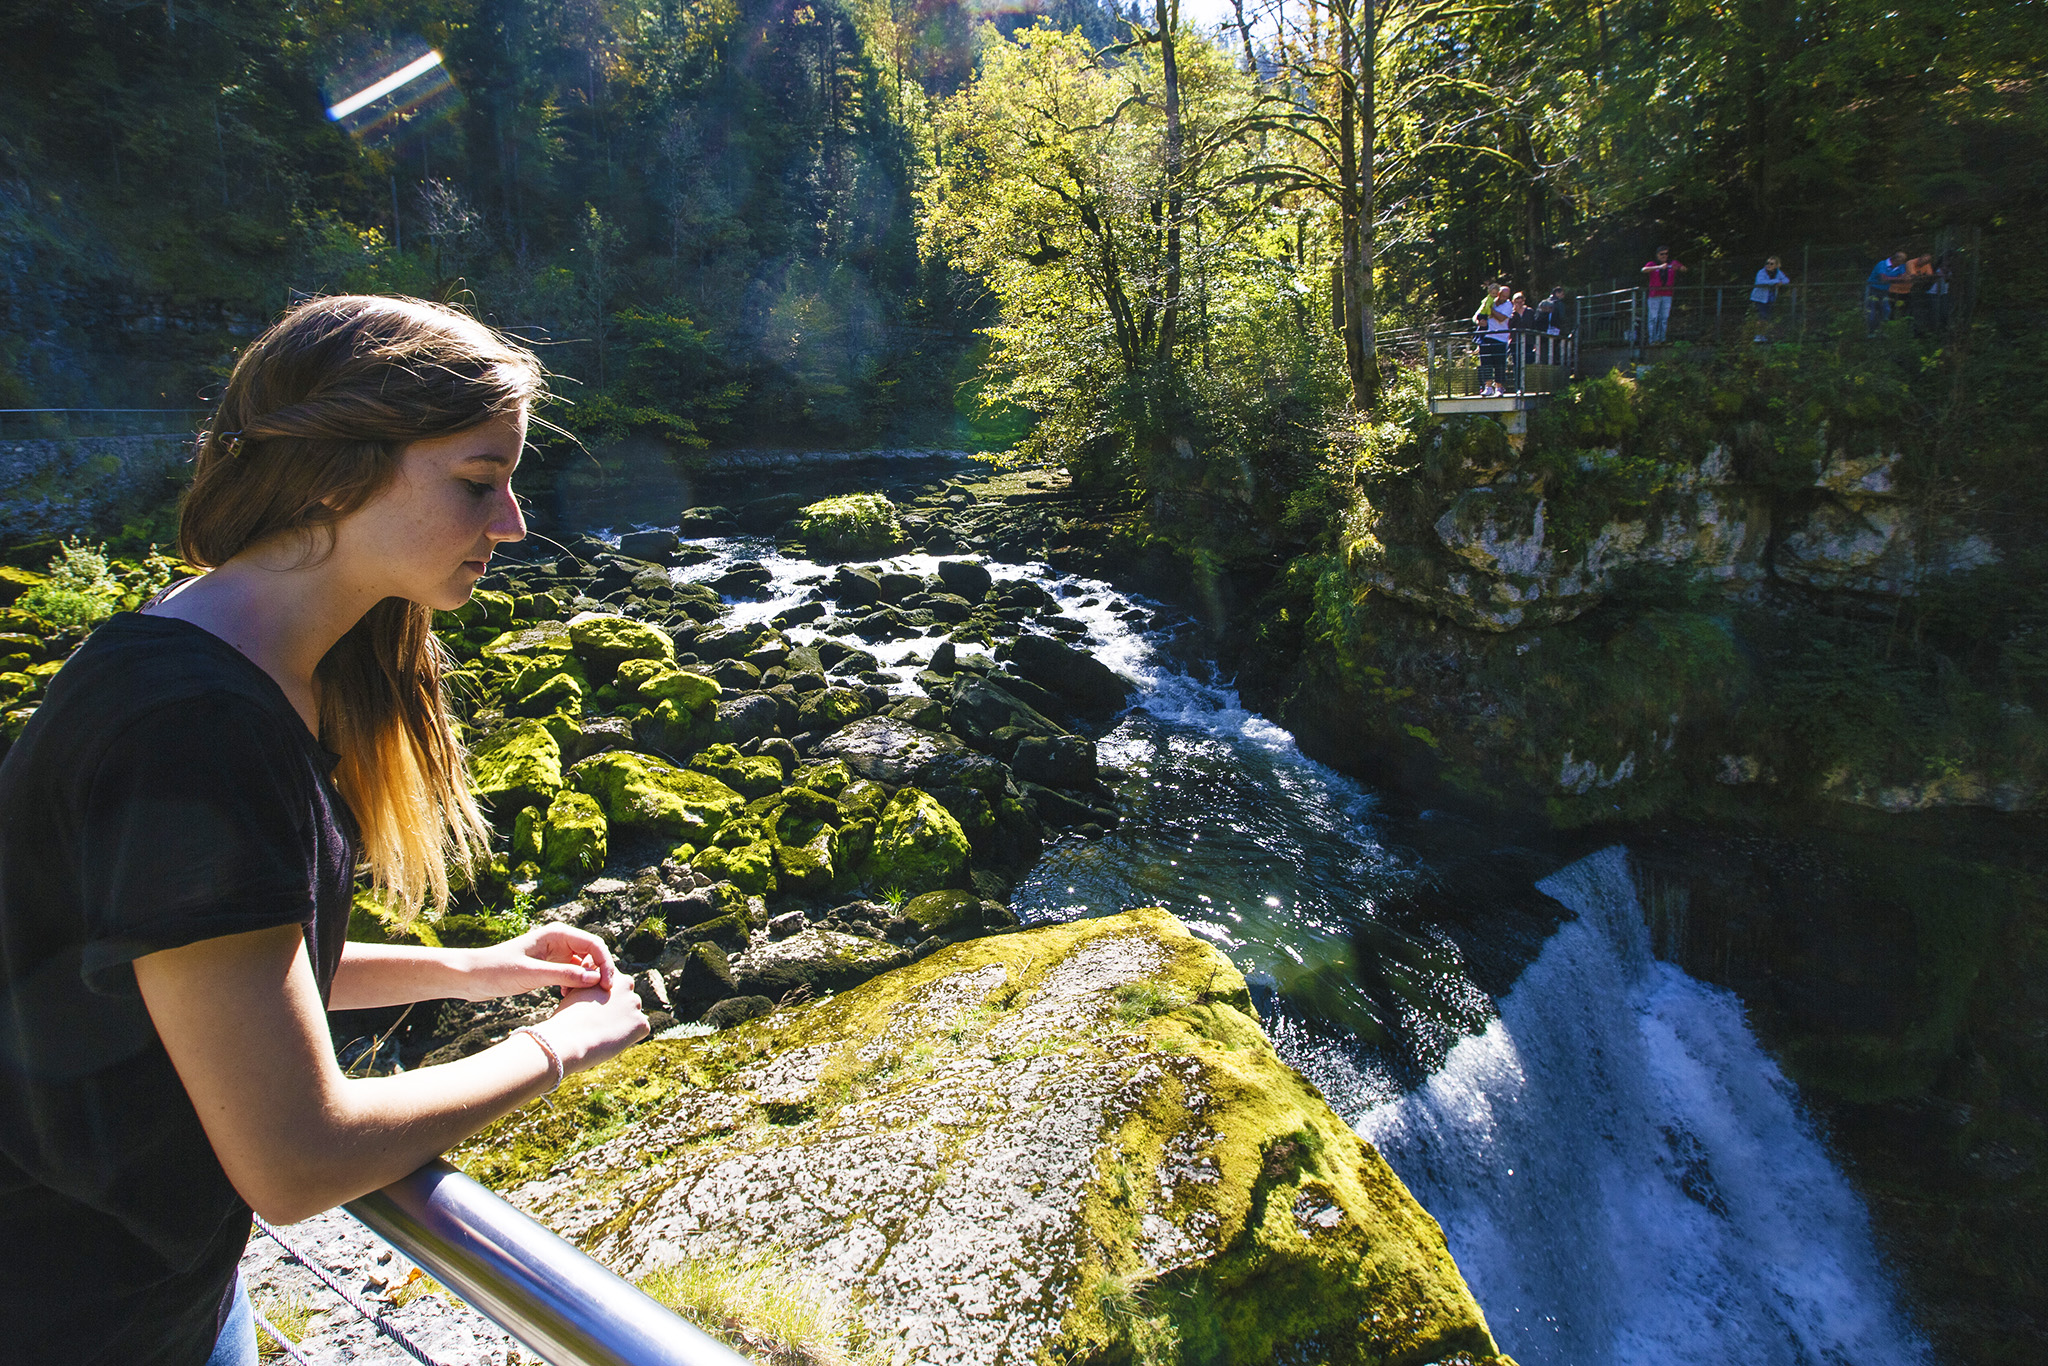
(1622,1172)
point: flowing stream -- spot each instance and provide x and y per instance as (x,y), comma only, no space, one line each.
(1622,1173)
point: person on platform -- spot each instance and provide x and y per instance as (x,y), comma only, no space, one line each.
(1492,319)
(1662,282)
(1879,294)
(181,825)
(1764,295)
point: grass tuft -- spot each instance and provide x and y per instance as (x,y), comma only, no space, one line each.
(766,1313)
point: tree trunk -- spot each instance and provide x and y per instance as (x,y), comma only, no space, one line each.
(1356,58)
(1167,12)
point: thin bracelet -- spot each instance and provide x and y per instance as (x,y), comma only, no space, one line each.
(554,1058)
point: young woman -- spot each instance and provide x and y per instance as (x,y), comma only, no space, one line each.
(182,822)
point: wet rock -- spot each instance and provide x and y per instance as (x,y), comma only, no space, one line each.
(884,749)
(658,547)
(815,960)
(943,912)
(697,974)
(854,588)
(1064,811)
(1084,682)
(999,1115)
(982,709)
(965,577)
(1055,761)
(699,522)
(754,716)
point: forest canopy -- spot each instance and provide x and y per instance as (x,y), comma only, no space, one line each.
(757,220)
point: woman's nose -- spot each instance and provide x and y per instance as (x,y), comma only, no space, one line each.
(508,523)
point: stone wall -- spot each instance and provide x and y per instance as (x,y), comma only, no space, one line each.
(61,486)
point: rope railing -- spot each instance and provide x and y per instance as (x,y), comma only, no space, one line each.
(529,1280)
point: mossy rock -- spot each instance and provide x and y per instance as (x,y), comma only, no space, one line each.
(831,708)
(917,845)
(16,688)
(609,641)
(750,866)
(558,695)
(941,912)
(830,777)
(484,608)
(1084,1122)
(576,838)
(547,638)
(373,920)
(517,766)
(639,792)
(851,524)
(807,867)
(14,582)
(750,776)
(690,691)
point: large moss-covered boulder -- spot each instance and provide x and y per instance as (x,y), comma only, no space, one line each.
(640,792)
(1068,1144)
(917,845)
(517,766)
(689,691)
(851,524)
(608,641)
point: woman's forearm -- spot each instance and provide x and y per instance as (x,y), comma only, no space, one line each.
(399,974)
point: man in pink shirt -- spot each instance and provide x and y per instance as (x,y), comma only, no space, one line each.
(1663,273)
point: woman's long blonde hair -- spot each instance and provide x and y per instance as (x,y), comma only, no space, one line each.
(311,427)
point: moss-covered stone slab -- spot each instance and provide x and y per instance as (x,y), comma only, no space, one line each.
(548,638)
(574,837)
(608,641)
(641,792)
(1067,1144)
(517,766)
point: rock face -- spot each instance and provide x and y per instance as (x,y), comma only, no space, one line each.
(1067,1144)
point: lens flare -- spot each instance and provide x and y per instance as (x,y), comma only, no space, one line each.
(406,74)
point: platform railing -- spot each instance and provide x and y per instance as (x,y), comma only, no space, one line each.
(1460,361)
(528,1279)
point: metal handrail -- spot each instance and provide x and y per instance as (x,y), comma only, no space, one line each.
(528,1279)
(1456,353)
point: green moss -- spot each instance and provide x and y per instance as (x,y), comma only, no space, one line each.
(831,708)
(852,524)
(519,765)
(576,839)
(917,845)
(805,867)
(940,912)
(547,638)
(750,776)
(750,866)
(689,691)
(829,778)
(606,641)
(559,695)
(640,792)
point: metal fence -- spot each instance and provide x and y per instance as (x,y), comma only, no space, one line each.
(1462,362)
(25,424)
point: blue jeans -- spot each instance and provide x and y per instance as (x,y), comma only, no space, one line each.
(236,1345)
(1660,316)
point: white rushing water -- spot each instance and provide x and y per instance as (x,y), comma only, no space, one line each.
(1625,1177)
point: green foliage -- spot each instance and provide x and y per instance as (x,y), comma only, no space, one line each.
(84,586)
(675,381)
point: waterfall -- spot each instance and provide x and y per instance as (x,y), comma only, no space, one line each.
(1624,1176)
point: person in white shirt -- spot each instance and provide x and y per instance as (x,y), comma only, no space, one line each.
(1769,281)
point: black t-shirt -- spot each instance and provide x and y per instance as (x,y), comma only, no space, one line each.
(165,792)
